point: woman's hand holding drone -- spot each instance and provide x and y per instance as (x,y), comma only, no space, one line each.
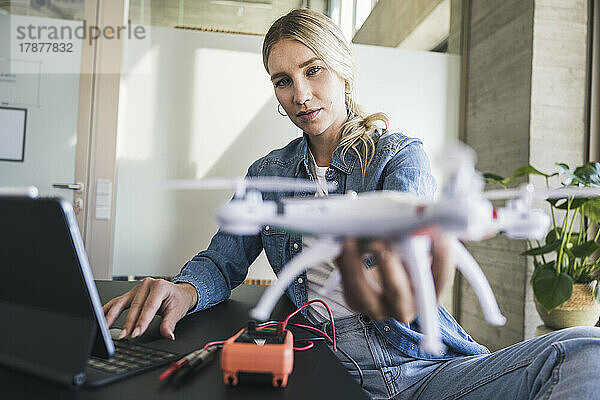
(395,296)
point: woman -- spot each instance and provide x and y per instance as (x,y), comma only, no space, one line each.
(311,68)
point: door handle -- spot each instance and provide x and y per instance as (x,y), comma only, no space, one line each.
(72,186)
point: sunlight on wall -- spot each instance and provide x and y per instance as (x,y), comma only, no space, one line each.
(199,103)
(418,90)
(239,89)
(136,113)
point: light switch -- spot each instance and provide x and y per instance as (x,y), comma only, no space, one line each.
(103,198)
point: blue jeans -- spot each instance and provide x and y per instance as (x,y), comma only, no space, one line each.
(561,365)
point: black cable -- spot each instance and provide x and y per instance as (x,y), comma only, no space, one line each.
(314,339)
(353,362)
(266,323)
(358,369)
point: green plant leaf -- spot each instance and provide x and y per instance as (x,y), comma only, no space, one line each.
(591,210)
(553,235)
(585,249)
(528,170)
(597,292)
(552,239)
(554,202)
(588,174)
(535,272)
(570,257)
(488,177)
(547,248)
(552,290)
(562,204)
(549,265)
(566,175)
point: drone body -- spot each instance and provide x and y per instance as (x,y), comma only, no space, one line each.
(463,211)
(400,218)
(384,214)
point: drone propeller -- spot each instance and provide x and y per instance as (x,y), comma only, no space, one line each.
(26,191)
(292,200)
(457,156)
(458,164)
(530,191)
(240,185)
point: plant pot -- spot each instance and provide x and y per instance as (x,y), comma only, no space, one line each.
(580,310)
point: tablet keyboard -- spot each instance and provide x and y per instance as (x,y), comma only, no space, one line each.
(130,358)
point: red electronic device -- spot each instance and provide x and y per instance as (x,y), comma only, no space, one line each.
(258,351)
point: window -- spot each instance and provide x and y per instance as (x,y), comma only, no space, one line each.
(350,14)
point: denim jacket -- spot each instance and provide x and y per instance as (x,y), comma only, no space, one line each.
(399,163)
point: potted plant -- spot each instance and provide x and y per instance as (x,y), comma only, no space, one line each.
(567,269)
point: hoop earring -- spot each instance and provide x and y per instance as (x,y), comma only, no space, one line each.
(283,114)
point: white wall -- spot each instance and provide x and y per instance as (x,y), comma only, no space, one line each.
(200,104)
(418,90)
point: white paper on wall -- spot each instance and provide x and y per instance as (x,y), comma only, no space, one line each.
(12,133)
(19,88)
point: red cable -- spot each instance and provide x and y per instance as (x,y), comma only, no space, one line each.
(330,317)
(314,329)
(169,371)
(176,366)
(266,326)
(207,345)
(302,326)
(309,346)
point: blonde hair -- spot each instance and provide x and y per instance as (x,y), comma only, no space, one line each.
(326,40)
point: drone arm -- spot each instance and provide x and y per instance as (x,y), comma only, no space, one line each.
(323,251)
(331,283)
(467,265)
(415,254)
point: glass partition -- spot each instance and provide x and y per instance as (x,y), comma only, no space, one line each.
(39,94)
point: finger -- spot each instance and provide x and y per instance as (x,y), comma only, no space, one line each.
(398,294)
(135,307)
(358,293)
(115,307)
(442,266)
(170,319)
(176,308)
(156,295)
(106,307)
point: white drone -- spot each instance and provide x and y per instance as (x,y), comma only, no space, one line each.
(463,211)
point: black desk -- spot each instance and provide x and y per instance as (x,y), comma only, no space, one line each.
(317,373)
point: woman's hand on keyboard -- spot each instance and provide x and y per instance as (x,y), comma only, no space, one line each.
(151,297)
